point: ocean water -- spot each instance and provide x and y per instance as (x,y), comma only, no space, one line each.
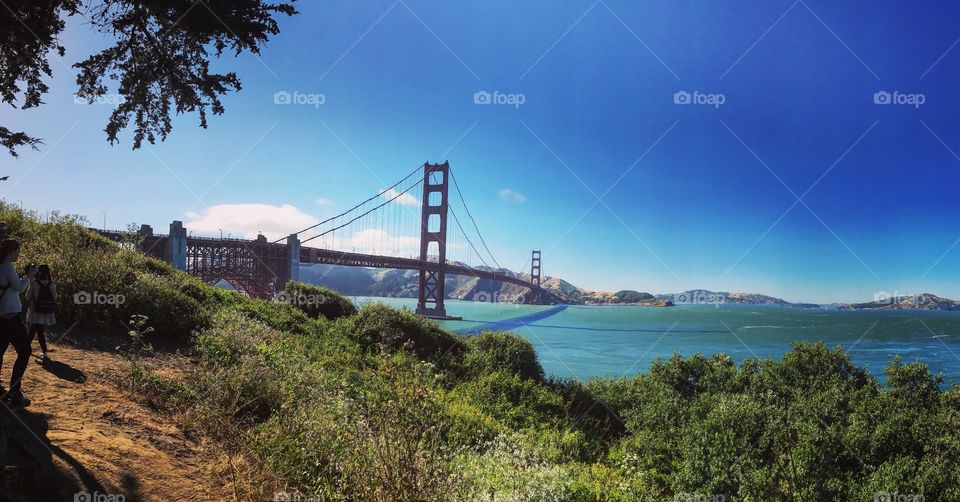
(589,341)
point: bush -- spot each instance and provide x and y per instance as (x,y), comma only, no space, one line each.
(378,327)
(516,402)
(316,301)
(492,351)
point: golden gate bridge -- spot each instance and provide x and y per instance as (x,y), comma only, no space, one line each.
(391,230)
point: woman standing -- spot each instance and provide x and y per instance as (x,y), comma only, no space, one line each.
(42,299)
(11,323)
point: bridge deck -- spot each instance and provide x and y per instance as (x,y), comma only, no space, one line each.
(154,245)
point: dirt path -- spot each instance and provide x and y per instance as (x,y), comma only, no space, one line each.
(82,433)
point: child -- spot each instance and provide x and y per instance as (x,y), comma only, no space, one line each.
(42,296)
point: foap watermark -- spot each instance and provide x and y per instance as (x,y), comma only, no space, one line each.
(895,298)
(499,98)
(495,297)
(300,299)
(698,497)
(699,298)
(899,98)
(85,496)
(714,99)
(112,99)
(98,298)
(315,99)
(296,496)
(898,497)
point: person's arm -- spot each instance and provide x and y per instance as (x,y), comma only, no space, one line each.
(55,290)
(15,282)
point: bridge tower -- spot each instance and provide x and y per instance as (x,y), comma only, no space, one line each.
(535,267)
(430,292)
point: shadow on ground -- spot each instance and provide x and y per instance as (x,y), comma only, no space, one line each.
(33,468)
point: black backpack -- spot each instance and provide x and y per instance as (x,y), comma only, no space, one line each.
(45,303)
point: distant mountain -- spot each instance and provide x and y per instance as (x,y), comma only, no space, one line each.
(707,297)
(574,295)
(921,301)
(358,281)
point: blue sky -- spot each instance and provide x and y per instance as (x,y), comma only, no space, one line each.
(693,195)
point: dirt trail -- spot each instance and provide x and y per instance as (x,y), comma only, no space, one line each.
(82,433)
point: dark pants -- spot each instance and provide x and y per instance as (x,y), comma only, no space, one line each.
(37,329)
(13,332)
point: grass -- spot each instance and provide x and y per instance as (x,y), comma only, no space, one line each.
(377,404)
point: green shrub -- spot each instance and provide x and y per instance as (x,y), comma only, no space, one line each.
(492,351)
(378,327)
(280,316)
(384,441)
(516,402)
(316,301)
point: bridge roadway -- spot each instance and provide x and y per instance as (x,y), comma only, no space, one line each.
(154,244)
(333,257)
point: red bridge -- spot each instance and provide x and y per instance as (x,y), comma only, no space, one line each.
(261,268)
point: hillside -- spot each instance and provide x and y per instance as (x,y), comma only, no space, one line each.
(922,301)
(704,296)
(244,399)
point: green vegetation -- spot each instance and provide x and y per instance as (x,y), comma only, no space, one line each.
(378,404)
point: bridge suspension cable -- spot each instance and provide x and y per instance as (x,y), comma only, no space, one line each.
(385,191)
(395,197)
(456,186)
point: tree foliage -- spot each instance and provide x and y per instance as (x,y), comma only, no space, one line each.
(160,58)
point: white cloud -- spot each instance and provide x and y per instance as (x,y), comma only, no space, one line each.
(406,199)
(245,220)
(512,196)
(324,202)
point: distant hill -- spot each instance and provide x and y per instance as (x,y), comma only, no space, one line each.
(921,301)
(358,281)
(704,296)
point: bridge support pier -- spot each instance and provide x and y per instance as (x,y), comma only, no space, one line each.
(293,255)
(175,251)
(433,229)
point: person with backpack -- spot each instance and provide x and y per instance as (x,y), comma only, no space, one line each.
(42,297)
(12,330)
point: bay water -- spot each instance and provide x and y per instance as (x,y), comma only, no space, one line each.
(589,341)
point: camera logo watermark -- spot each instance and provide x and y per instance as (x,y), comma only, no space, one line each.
(899,98)
(494,297)
(295,496)
(895,298)
(699,298)
(498,98)
(299,98)
(85,496)
(698,497)
(98,298)
(300,299)
(898,497)
(699,98)
(112,99)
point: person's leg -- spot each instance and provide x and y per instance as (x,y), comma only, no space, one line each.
(4,339)
(21,343)
(41,337)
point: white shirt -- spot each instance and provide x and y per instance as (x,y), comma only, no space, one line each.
(10,301)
